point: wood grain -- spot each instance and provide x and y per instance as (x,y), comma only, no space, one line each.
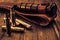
(37,32)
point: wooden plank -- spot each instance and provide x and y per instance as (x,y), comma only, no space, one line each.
(28,34)
(21,36)
(15,36)
(2,34)
(46,33)
(34,36)
(38,33)
(39,1)
(1,19)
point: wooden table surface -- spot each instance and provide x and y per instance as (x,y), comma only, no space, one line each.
(37,32)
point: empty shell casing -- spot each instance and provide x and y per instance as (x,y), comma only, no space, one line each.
(16,23)
(24,23)
(14,28)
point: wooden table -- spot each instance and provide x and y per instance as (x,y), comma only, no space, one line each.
(37,32)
